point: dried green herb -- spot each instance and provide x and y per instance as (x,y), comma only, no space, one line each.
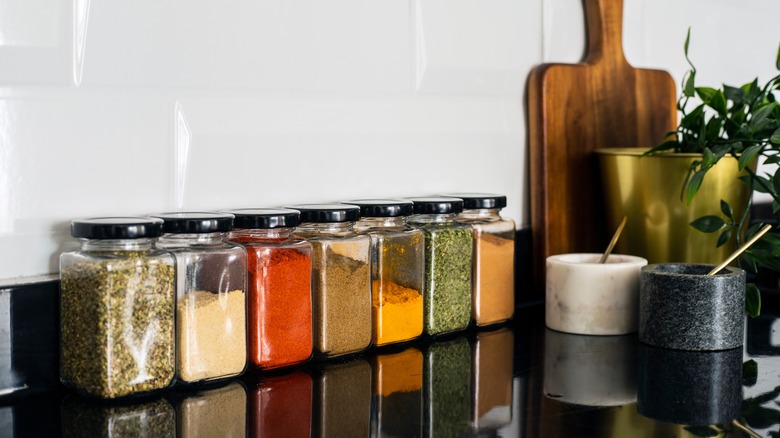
(446,388)
(86,418)
(447,294)
(117,320)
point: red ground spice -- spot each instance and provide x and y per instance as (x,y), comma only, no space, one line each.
(279,307)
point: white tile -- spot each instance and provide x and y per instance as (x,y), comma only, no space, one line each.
(344,45)
(67,157)
(267,152)
(467,47)
(34,42)
(563,31)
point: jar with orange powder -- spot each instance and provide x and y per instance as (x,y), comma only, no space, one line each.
(279,294)
(397,268)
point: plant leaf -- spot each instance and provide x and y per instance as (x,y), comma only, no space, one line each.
(748,155)
(776,182)
(689,90)
(761,114)
(727,210)
(749,261)
(723,238)
(733,94)
(775,138)
(706,93)
(708,224)
(777,60)
(752,300)
(665,146)
(749,373)
(688,41)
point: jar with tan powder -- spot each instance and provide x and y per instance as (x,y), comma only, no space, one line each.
(493,272)
(210,295)
(341,278)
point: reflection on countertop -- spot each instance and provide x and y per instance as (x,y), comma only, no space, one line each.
(518,379)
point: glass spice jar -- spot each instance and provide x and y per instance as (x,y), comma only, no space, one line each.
(397,264)
(448,259)
(117,309)
(280,322)
(341,278)
(493,272)
(210,295)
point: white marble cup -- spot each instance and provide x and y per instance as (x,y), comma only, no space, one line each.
(586,297)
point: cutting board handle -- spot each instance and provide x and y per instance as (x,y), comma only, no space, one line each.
(604,21)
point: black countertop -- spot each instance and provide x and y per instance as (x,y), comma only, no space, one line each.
(520,379)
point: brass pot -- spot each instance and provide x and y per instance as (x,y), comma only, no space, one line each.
(647,190)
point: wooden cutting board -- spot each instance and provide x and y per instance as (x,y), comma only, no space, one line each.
(577,108)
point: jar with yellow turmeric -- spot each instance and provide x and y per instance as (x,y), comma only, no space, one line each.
(397,267)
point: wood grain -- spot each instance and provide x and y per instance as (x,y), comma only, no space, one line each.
(575,109)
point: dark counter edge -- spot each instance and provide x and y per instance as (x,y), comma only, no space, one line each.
(29,343)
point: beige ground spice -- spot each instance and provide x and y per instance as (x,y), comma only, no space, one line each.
(210,335)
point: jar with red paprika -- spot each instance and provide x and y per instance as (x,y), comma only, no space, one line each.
(279,294)
(341,278)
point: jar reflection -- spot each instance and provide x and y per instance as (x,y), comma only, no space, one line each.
(397,393)
(280,405)
(491,404)
(83,417)
(446,388)
(590,370)
(342,399)
(211,412)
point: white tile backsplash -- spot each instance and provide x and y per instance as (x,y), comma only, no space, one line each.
(110,108)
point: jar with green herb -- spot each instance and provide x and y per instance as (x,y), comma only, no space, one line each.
(448,259)
(397,265)
(210,295)
(493,299)
(341,278)
(117,309)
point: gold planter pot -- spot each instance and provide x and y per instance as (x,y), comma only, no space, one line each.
(647,191)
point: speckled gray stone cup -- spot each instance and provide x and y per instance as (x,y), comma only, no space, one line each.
(682,308)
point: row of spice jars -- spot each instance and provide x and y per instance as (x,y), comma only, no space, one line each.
(117,292)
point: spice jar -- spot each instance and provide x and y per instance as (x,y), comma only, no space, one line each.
(341,278)
(210,295)
(493,298)
(397,265)
(116,309)
(280,325)
(448,257)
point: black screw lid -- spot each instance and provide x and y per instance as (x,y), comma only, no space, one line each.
(473,201)
(195,222)
(437,205)
(266,218)
(328,212)
(116,228)
(383,207)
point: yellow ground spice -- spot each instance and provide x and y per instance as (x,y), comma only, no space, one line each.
(397,312)
(494,297)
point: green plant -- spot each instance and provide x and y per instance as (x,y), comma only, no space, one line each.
(743,122)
